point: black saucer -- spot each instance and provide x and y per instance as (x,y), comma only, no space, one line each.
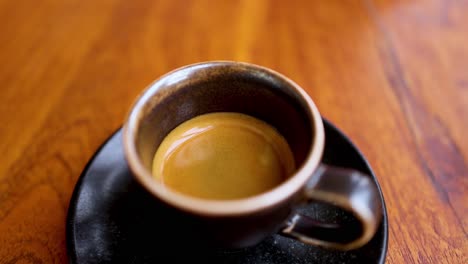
(109,221)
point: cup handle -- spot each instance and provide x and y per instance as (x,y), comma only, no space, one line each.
(349,190)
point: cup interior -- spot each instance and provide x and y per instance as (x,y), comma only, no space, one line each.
(221,87)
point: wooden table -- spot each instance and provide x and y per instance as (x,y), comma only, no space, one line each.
(392,74)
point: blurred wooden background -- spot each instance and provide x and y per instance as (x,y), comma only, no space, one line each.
(393,75)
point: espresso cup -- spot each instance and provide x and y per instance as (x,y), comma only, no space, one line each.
(223,86)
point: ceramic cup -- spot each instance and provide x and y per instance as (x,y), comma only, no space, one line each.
(223,86)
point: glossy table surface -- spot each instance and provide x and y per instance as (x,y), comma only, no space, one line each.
(391,74)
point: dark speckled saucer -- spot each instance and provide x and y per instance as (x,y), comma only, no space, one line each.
(109,220)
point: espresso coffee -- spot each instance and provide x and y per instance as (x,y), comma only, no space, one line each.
(223,156)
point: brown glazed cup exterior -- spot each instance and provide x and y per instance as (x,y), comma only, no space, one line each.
(223,86)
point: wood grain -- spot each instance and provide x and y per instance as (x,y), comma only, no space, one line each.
(391,74)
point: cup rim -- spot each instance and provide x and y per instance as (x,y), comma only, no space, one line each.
(241,206)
